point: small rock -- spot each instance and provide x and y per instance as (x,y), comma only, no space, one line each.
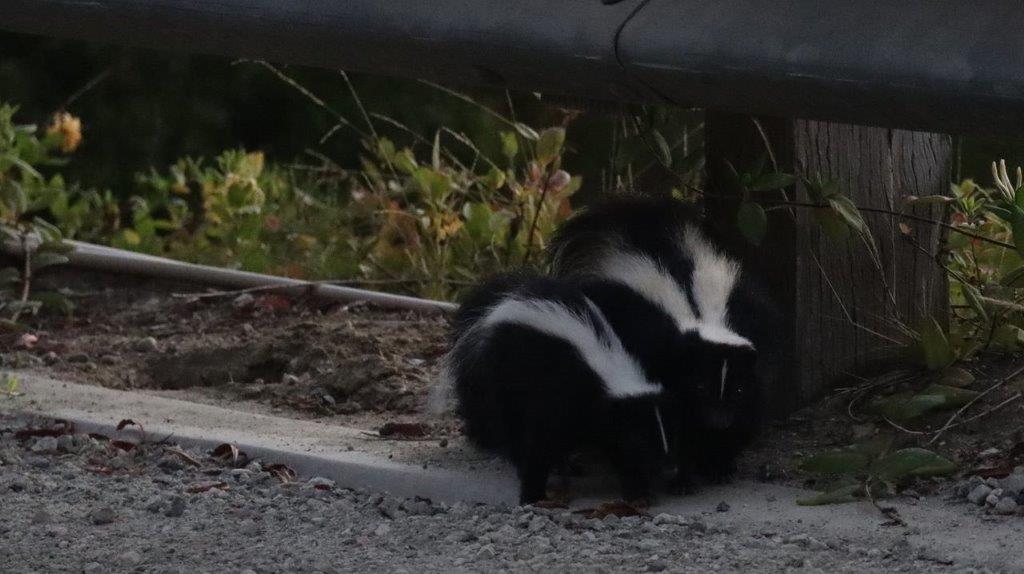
(486,553)
(243,300)
(145,345)
(979,494)
(723,507)
(320,482)
(45,444)
(538,523)
(1012,485)
(66,443)
(989,453)
(176,507)
(664,518)
(92,568)
(992,499)
(50,357)
(289,379)
(154,504)
(443,443)
(104,515)
(130,558)
(42,517)
(657,566)
(1006,506)
(382,529)
(78,358)
(108,360)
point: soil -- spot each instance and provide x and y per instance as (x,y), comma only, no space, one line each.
(368,368)
(353,364)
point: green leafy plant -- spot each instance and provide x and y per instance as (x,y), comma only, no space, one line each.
(25,195)
(870,470)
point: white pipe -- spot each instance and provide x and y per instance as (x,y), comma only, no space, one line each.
(99,257)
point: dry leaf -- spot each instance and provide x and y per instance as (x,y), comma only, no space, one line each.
(282,472)
(618,508)
(205,486)
(404,430)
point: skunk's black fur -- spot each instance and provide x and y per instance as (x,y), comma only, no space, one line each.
(531,395)
(713,375)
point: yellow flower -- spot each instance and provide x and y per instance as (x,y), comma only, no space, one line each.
(449,227)
(69,128)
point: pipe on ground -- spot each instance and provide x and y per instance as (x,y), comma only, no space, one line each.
(98,257)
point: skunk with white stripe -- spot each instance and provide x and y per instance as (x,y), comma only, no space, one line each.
(722,321)
(538,372)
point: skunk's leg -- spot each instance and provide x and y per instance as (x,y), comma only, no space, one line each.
(685,456)
(718,461)
(535,462)
(632,469)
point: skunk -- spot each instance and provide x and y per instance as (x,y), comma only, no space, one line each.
(538,373)
(723,322)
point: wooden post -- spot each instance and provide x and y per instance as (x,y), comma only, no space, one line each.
(842,306)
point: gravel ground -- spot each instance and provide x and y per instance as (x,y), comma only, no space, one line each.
(73,503)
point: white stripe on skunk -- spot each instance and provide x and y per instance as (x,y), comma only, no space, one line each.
(618,370)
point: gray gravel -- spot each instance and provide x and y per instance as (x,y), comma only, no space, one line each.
(80,505)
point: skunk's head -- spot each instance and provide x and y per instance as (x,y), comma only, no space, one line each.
(721,383)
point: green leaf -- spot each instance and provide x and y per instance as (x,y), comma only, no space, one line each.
(54,301)
(954,397)
(526,131)
(752,221)
(836,462)
(772,181)
(973,298)
(47,259)
(549,146)
(509,144)
(928,200)
(846,209)
(838,496)
(903,407)
(1014,279)
(664,150)
(435,151)
(9,275)
(909,462)
(936,351)
(832,225)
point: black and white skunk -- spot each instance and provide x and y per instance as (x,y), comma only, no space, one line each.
(655,249)
(538,372)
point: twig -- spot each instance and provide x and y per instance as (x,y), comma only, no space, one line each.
(536,218)
(988,411)
(954,416)
(26,278)
(887,511)
(901,428)
(92,83)
(309,285)
(894,213)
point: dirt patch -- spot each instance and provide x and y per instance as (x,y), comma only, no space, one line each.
(354,364)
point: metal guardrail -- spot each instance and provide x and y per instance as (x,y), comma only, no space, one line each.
(939,65)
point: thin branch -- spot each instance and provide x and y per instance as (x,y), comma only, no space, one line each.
(909,216)
(949,423)
(26,278)
(92,83)
(308,94)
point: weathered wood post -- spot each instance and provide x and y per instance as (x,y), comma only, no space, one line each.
(841,305)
